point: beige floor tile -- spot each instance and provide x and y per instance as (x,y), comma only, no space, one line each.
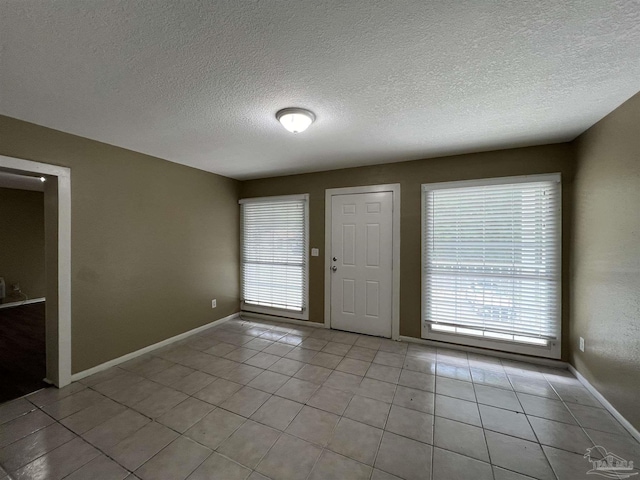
(568,465)
(15,409)
(498,397)
(361,353)
(456,409)
(414,399)
(313,373)
(297,390)
(186,414)
(249,443)
(245,401)
(74,403)
(330,400)
(262,360)
(417,380)
(217,392)
(376,389)
(380,475)
(286,366)
(560,435)
(507,422)
(242,374)
(596,419)
(277,412)
(135,450)
(116,429)
(546,408)
(313,425)
(268,381)
(420,364)
(449,465)
(100,468)
(91,417)
(160,402)
(383,373)
(313,343)
(367,410)
(52,394)
(389,359)
(533,386)
(518,455)
(454,371)
(410,423)
(368,342)
(336,348)
(301,354)
(192,383)
(32,446)
(455,388)
(217,467)
(491,378)
(241,354)
(58,463)
(333,466)
(289,459)
(502,474)
(279,349)
(355,440)
(22,426)
(460,438)
(346,382)
(215,428)
(404,457)
(175,461)
(326,360)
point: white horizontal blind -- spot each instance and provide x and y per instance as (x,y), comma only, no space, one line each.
(274,254)
(492,259)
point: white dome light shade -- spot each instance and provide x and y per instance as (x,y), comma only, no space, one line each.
(295,120)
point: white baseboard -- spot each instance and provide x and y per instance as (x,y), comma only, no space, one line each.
(22,302)
(129,356)
(273,318)
(548,362)
(610,408)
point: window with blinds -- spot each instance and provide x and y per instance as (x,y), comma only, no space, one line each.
(491,262)
(274,254)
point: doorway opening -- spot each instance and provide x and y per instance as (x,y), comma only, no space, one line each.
(57,259)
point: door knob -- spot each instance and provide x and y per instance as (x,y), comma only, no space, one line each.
(334,268)
(335,259)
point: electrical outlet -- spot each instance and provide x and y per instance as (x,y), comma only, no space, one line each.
(581,344)
(213,303)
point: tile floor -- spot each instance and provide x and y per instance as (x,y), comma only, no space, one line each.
(255,400)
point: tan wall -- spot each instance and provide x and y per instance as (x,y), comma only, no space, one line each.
(152,242)
(22,242)
(411,175)
(605,303)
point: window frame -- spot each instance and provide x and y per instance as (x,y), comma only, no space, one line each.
(553,347)
(273,311)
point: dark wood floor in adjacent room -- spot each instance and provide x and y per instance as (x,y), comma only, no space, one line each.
(22,350)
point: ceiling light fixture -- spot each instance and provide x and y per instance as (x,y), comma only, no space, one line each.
(42,179)
(295,120)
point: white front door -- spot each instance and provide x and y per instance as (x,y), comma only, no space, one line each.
(361,262)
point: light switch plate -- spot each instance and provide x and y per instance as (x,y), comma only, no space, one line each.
(581,344)
(315,252)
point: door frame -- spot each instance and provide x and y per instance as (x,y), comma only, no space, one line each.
(58,284)
(394,188)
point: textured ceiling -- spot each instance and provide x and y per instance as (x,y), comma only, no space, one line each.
(199,82)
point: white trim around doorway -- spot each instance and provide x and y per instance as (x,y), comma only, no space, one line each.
(394,188)
(59,373)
